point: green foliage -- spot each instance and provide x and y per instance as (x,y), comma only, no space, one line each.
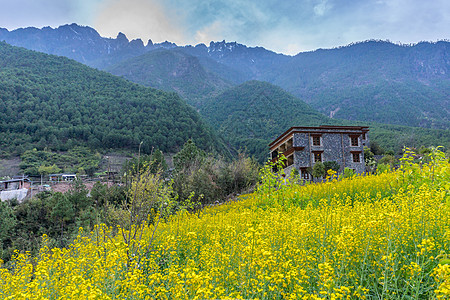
(348,173)
(103,196)
(331,165)
(383,168)
(57,215)
(253,113)
(271,176)
(369,159)
(50,102)
(375,148)
(45,170)
(7,220)
(175,71)
(206,179)
(372,81)
(389,160)
(318,170)
(44,162)
(155,162)
(188,155)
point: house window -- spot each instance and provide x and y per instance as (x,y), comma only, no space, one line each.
(317,156)
(364,136)
(354,141)
(304,173)
(356,157)
(316,140)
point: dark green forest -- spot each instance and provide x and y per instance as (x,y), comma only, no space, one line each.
(371,81)
(54,103)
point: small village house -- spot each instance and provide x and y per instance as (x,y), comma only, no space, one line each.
(16,188)
(62,177)
(305,146)
(16,183)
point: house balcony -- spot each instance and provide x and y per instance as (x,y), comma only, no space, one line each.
(288,152)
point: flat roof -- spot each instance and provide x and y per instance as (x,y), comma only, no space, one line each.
(314,128)
(15,180)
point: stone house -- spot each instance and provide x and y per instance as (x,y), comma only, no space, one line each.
(304,146)
(15,184)
(16,188)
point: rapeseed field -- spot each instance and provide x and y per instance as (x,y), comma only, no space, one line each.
(384,236)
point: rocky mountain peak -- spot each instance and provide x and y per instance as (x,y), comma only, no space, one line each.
(121,37)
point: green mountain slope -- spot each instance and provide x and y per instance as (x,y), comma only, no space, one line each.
(54,102)
(173,70)
(252,114)
(374,81)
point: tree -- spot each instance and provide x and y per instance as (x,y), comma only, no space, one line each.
(389,160)
(318,170)
(45,170)
(7,220)
(188,155)
(376,148)
(369,160)
(62,212)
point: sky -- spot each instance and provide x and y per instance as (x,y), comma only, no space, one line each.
(288,26)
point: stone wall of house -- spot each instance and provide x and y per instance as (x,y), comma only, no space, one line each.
(334,147)
(302,159)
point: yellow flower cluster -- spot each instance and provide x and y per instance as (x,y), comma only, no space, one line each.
(360,238)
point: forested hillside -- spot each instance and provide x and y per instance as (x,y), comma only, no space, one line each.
(56,103)
(252,114)
(374,81)
(173,71)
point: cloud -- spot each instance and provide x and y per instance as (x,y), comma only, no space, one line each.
(146,19)
(321,8)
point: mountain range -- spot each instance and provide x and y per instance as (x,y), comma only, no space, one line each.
(370,82)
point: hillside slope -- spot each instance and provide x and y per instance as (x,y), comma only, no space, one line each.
(252,114)
(56,103)
(374,81)
(173,71)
